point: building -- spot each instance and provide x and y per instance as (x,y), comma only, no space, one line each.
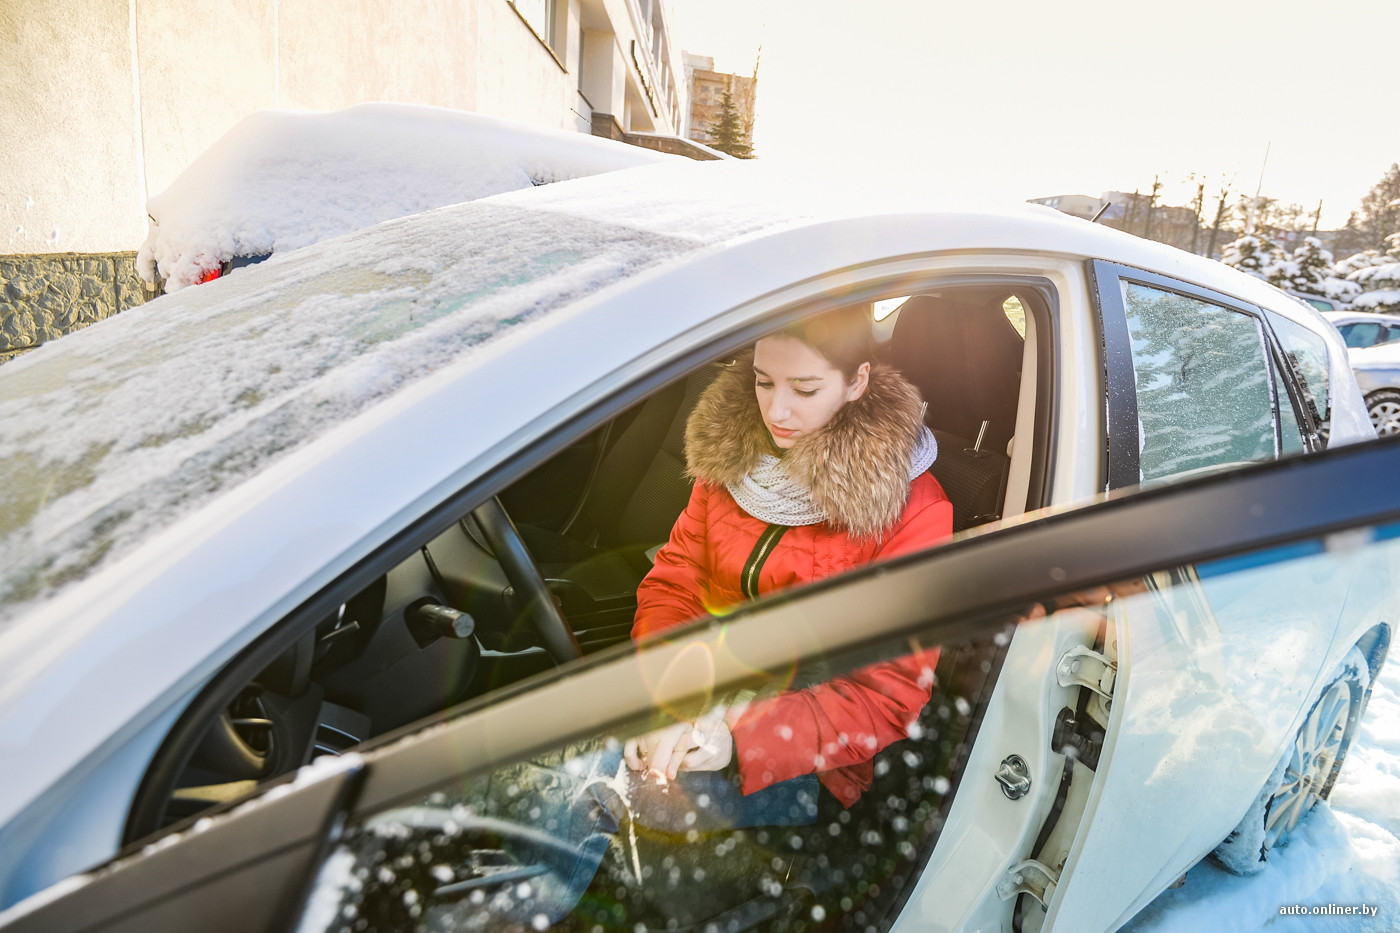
(109,101)
(707,88)
(1076,205)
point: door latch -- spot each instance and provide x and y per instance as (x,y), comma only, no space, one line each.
(1085,667)
(1029,877)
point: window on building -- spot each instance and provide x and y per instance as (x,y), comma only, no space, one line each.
(539,14)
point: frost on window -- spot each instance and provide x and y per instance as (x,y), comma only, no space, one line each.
(576,839)
(113,433)
(1203,387)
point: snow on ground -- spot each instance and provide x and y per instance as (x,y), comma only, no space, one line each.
(1345,853)
(284,179)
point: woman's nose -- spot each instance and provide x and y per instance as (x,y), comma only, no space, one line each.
(777,409)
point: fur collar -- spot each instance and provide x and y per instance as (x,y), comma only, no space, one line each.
(857,467)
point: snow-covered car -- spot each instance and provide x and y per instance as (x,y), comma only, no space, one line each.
(383,502)
(283,179)
(1373,349)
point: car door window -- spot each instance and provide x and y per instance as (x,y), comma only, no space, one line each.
(1306,355)
(1290,430)
(573,836)
(1204,390)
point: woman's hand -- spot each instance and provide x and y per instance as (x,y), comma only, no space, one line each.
(703,745)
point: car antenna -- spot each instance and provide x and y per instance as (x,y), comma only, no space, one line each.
(1106,206)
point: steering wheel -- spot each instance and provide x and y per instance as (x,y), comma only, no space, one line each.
(540,608)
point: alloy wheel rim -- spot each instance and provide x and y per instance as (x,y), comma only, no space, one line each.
(1314,752)
(1386,417)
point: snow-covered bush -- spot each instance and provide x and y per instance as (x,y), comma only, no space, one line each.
(1376,276)
(1361,260)
(1380,288)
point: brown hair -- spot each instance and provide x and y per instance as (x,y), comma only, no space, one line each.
(842,337)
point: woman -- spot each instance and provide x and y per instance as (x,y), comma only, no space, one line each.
(815,466)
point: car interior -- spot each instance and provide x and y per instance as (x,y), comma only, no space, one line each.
(548,569)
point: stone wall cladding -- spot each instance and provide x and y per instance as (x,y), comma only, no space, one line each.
(43,297)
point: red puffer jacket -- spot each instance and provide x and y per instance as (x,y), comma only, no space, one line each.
(857,468)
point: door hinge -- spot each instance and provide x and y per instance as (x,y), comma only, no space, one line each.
(1085,667)
(1029,877)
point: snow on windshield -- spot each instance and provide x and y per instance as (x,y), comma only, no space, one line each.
(280,180)
(115,431)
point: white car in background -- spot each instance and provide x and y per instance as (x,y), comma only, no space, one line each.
(1373,346)
(383,502)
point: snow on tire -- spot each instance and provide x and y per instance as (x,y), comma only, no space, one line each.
(1304,774)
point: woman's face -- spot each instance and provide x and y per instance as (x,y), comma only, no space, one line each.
(798,390)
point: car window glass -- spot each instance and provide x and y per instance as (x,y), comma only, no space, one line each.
(1290,432)
(1392,334)
(1361,335)
(574,837)
(1202,383)
(570,837)
(1016,314)
(1307,357)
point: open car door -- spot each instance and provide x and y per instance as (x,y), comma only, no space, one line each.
(1042,660)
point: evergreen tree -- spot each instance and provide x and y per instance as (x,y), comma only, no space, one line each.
(1256,255)
(1379,214)
(1307,270)
(728,129)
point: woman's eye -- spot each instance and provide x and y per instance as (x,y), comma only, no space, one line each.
(806,393)
(763,385)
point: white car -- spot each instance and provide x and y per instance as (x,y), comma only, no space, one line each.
(1362,329)
(269,519)
(1371,341)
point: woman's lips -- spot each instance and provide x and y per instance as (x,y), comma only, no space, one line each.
(781,432)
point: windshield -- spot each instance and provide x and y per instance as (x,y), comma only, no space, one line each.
(118,430)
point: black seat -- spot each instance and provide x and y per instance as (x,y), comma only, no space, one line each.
(638,487)
(965,357)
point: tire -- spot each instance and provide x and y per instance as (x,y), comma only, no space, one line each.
(1384,408)
(1306,772)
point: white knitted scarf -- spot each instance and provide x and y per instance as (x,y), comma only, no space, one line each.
(770,495)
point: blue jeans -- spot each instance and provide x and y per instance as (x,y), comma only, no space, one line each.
(584,803)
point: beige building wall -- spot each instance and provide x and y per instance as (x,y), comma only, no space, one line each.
(109,100)
(70,162)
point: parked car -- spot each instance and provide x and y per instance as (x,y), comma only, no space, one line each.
(299,512)
(1373,342)
(1318,302)
(1361,329)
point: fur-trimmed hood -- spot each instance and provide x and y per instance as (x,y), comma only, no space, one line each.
(857,467)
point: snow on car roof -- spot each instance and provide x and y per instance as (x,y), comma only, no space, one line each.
(281,180)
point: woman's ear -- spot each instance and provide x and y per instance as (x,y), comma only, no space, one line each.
(859,382)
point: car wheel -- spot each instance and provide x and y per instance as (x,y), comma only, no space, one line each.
(1384,407)
(1304,775)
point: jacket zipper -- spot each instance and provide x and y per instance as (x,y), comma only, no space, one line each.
(748,580)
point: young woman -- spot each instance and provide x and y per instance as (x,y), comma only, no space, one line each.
(808,462)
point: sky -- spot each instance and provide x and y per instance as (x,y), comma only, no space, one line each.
(1033,99)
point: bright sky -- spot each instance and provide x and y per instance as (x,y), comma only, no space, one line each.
(1031,99)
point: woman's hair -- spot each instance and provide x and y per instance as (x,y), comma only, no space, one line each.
(842,337)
